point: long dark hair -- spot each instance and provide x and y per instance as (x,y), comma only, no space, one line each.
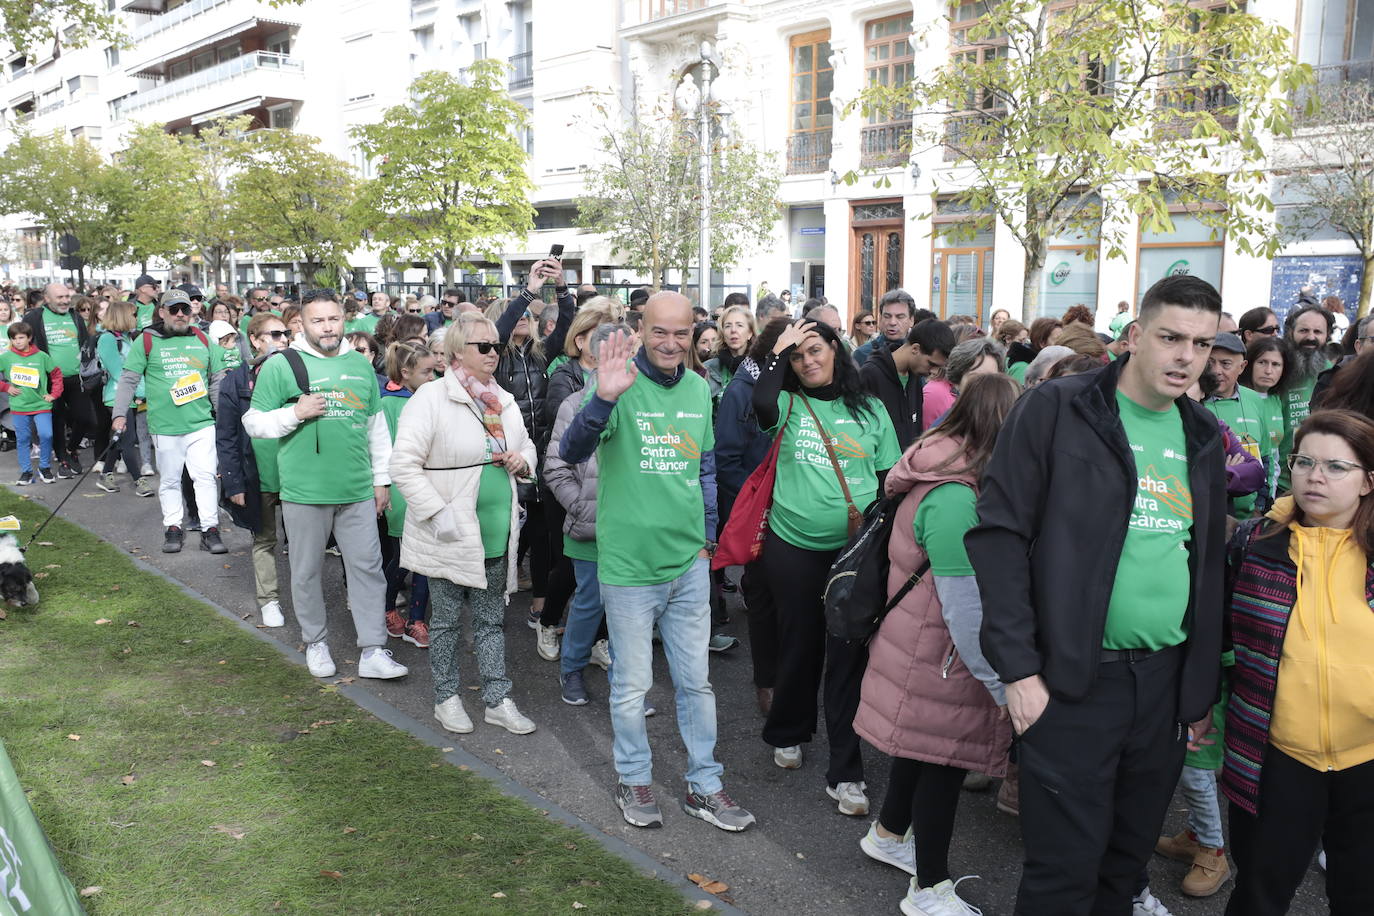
(1352,388)
(975,419)
(1358,432)
(1268,345)
(846,377)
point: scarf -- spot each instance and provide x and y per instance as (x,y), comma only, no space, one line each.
(488,398)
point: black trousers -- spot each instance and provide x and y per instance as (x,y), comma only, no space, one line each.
(805,653)
(924,797)
(763,624)
(534,540)
(1096,780)
(1298,808)
(127,448)
(72,419)
(561,580)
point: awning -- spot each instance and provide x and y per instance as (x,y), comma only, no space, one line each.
(152,7)
(154,67)
(21,98)
(225,111)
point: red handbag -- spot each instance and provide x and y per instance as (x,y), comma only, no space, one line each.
(742,540)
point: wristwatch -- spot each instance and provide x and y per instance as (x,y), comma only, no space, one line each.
(711,549)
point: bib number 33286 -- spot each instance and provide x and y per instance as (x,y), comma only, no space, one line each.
(188,388)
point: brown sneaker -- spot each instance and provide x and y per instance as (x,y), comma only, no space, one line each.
(1182,847)
(395,623)
(1009,793)
(1209,872)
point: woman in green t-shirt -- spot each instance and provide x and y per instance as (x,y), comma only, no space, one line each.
(737,331)
(1268,367)
(809,394)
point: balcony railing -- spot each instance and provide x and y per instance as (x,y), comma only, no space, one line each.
(1330,78)
(255,60)
(884,144)
(50,107)
(522,70)
(808,153)
(650,10)
(170,18)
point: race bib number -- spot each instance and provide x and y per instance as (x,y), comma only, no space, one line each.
(188,388)
(24,377)
(9,523)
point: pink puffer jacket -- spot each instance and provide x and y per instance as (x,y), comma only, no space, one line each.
(918,699)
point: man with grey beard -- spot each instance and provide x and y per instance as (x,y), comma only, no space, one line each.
(1307,329)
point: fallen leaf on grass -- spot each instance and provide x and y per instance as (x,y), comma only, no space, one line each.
(234,832)
(50,544)
(40,575)
(498,895)
(73,737)
(128,780)
(207,763)
(91,891)
(446,750)
(102,621)
(114,588)
(53,566)
(709,885)
(579,906)
(134,623)
(350,830)
(331,874)
(3,615)
(499,751)
(702,905)
(122,826)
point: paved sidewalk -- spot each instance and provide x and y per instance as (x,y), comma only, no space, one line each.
(802,858)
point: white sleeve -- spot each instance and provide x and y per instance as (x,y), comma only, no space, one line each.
(271,424)
(379,445)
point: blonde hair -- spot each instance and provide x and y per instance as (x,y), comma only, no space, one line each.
(456,335)
(120,316)
(748,314)
(596,311)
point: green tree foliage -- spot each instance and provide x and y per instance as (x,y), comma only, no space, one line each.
(212,223)
(155,173)
(450,179)
(294,201)
(645,195)
(1147,103)
(30,24)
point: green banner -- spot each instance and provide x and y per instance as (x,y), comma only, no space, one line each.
(31,881)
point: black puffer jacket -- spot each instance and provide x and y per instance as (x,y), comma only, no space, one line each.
(563,381)
(521,372)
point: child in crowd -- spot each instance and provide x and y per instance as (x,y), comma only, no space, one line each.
(223,333)
(33,382)
(408,366)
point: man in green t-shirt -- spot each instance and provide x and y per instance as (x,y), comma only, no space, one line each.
(1244,411)
(180,370)
(1120,319)
(649,425)
(145,301)
(1099,555)
(61,333)
(1307,329)
(333,459)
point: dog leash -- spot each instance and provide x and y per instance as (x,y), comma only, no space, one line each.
(114,440)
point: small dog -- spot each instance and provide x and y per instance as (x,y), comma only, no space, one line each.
(16,582)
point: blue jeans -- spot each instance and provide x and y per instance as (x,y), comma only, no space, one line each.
(584,616)
(682,610)
(23,439)
(1204,815)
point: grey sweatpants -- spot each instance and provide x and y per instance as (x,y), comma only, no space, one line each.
(354,526)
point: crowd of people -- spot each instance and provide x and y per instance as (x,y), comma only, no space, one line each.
(1097,543)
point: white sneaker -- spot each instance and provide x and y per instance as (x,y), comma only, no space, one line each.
(1147,904)
(940,900)
(377,662)
(271,614)
(851,798)
(120,467)
(452,716)
(899,852)
(147,470)
(546,642)
(789,758)
(601,654)
(318,660)
(508,717)
(1321,859)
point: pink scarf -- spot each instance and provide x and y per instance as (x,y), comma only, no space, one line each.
(487,396)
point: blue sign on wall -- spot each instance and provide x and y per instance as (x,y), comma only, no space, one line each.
(1327,275)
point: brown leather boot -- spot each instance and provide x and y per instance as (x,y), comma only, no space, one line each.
(1181,847)
(765,699)
(1209,872)
(1009,793)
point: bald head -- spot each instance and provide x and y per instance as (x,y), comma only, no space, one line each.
(667,330)
(58,297)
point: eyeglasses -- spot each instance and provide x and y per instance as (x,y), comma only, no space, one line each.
(486,346)
(1268,329)
(178,308)
(258,298)
(1332,468)
(868,321)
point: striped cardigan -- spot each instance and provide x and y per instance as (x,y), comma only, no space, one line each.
(1263,593)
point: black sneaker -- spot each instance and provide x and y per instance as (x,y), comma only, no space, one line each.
(209,540)
(73,464)
(26,479)
(638,805)
(45,475)
(173,539)
(65,471)
(193,524)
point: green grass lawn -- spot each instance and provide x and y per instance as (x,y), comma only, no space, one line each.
(212,776)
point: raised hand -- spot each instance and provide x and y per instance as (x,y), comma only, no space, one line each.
(793,335)
(615,368)
(541,273)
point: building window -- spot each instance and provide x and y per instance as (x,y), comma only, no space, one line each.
(111,57)
(980,104)
(961,271)
(1191,249)
(1335,35)
(808,148)
(282,118)
(888,61)
(1215,98)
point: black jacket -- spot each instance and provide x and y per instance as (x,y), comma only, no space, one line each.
(1053,510)
(563,381)
(34,319)
(883,381)
(238,466)
(521,372)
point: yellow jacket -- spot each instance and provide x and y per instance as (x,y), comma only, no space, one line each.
(1324,708)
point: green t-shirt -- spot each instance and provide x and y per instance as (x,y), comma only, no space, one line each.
(1150,596)
(325,461)
(365,323)
(176,373)
(63,345)
(809,510)
(232,357)
(1118,322)
(28,376)
(247,317)
(1297,404)
(493,509)
(391,406)
(1248,417)
(147,314)
(649,464)
(1018,372)
(265,452)
(579,550)
(945,515)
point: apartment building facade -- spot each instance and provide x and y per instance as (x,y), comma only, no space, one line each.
(785,71)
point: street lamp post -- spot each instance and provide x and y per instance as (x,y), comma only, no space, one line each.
(704,129)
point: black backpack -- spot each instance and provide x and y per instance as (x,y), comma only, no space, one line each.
(93,374)
(855,596)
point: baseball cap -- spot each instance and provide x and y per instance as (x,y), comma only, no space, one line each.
(219,329)
(173,295)
(360,295)
(191,290)
(145,280)
(1228,341)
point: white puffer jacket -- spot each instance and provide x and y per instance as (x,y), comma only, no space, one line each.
(441,427)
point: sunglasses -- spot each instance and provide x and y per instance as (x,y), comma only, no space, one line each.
(412,311)
(1270,329)
(868,321)
(178,308)
(486,346)
(276,335)
(259,298)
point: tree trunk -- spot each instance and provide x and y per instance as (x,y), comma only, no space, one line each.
(1366,285)
(1030,286)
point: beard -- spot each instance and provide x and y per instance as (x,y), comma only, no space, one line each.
(1308,361)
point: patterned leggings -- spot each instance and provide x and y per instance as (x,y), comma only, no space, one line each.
(488,639)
